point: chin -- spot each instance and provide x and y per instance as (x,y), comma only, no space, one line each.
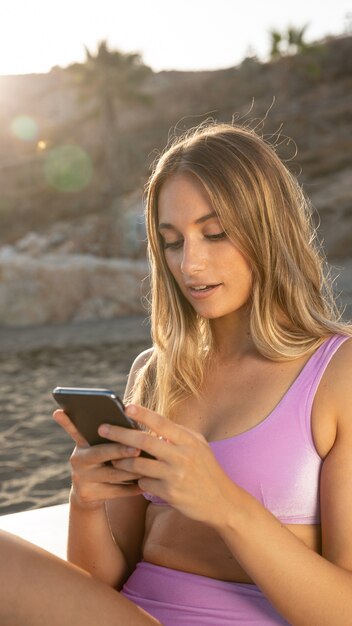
(221,314)
(210,315)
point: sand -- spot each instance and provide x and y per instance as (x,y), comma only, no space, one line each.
(34,450)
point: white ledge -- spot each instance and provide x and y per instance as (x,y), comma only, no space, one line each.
(46,528)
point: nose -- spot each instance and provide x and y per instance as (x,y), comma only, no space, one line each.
(193,258)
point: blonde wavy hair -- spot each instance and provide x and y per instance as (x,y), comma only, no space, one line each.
(263,209)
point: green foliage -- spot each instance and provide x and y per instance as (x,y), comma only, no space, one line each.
(288,42)
(68,168)
(276,39)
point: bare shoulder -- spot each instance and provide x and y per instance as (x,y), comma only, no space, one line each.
(338,376)
(137,364)
(332,408)
(338,383)
(141,360)
(334,396)
(343,355)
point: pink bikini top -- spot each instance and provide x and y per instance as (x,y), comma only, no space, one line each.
(276,460)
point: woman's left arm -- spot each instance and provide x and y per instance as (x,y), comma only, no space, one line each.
(306,588)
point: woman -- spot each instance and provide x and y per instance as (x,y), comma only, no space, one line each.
(244,516)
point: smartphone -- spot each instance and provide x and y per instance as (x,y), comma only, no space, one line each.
(88,408)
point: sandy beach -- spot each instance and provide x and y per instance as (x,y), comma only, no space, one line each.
(34,450)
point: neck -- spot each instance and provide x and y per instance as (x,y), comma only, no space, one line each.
(232,338)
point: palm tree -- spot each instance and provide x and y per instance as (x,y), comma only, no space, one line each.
(113,79)
(276,39)
(287,43)
(295,39)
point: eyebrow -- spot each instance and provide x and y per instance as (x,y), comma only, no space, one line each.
(200,220)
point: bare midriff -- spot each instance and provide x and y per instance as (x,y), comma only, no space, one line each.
(176,542)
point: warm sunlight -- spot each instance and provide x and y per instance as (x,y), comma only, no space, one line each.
(37,35)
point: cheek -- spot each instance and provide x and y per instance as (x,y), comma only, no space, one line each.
(172,269)
(239,269)
(172,263)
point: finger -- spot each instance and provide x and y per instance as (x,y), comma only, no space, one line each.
(104,452)
(64,421)
(139,438)
(115,476)
(162,426)
(107,491)
(141,467)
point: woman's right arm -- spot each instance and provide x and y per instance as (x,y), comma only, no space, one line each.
(107,518)
(95,489)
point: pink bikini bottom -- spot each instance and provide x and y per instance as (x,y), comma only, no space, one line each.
(178,598)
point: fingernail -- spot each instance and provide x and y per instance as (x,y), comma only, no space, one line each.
(131,410)
(103,430)
(133,450)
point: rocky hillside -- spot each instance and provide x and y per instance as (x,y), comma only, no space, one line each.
(46,214)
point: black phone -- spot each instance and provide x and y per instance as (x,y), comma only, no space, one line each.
(88,408)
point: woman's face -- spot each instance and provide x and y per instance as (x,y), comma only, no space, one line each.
(209,269)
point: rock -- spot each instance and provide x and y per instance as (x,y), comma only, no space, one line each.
(33,244)
(332,197)
(117,233)
(54,288)
(7,252)
(341,271)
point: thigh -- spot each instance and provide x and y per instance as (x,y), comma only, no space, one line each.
(38,589)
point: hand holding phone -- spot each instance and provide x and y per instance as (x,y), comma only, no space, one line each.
(88,408)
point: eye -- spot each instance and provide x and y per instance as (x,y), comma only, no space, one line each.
(216,236)
(173,245)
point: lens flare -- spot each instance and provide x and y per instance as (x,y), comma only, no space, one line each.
(24,127)
(68,168)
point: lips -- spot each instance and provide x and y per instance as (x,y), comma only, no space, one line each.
(203,287)
(199,291)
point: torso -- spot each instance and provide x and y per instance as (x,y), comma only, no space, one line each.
(229,407)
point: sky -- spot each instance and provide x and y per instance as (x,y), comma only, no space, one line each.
(36,35)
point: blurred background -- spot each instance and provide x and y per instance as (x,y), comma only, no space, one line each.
(89,95)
